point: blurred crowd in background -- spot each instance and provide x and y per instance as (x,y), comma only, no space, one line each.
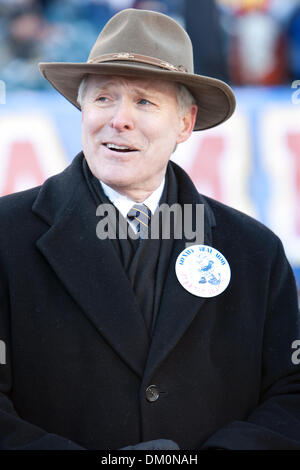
(245,42)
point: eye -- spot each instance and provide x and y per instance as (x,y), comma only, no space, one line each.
(102,99)
(144,101)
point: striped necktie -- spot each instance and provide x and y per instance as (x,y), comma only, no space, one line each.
(140,217)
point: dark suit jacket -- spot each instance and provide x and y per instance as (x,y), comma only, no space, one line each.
(78,357)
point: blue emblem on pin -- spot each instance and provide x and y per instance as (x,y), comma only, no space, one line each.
(203,270)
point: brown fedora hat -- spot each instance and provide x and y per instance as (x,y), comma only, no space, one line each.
(143,43)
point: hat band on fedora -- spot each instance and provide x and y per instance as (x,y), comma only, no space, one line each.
(137,58)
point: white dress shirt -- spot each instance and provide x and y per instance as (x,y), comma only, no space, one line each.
(124,203)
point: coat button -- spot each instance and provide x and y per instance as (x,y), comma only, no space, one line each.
(152,393)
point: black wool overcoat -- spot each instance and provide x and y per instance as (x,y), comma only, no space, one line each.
(78,360)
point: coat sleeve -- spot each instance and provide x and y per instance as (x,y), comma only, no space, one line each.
(15,433)
(275,422)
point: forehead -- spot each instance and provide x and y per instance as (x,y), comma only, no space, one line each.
(164,87)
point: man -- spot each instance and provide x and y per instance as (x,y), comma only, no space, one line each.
(136,341)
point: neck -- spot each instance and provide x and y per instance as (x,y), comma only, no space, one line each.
(134,195)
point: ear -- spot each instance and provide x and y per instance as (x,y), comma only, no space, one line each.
(187,123)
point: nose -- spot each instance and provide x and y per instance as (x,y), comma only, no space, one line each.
(123,118)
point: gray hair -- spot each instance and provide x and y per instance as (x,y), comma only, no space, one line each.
(185,98)
(82,90)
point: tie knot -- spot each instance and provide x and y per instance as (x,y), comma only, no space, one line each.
(140,216)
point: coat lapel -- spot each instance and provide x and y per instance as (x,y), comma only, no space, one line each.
(88,267)
(178,307)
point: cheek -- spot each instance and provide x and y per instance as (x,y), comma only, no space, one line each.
(165,140)
(164,131)
(88,133)
(91,122)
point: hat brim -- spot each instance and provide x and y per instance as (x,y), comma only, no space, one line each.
(215,99)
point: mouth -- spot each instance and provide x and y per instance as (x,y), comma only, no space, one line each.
(119,148)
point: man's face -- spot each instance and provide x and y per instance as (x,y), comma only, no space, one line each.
(129,130)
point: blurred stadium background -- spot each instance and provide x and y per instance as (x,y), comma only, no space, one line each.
(251,162)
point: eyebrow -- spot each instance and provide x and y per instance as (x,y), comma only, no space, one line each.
(136,89)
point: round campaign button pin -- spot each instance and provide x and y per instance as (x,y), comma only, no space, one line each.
(203,270)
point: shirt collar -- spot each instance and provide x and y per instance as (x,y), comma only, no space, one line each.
(124,203)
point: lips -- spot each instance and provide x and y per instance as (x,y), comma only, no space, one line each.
(119,148)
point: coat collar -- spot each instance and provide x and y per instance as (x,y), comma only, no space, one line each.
(83,262)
